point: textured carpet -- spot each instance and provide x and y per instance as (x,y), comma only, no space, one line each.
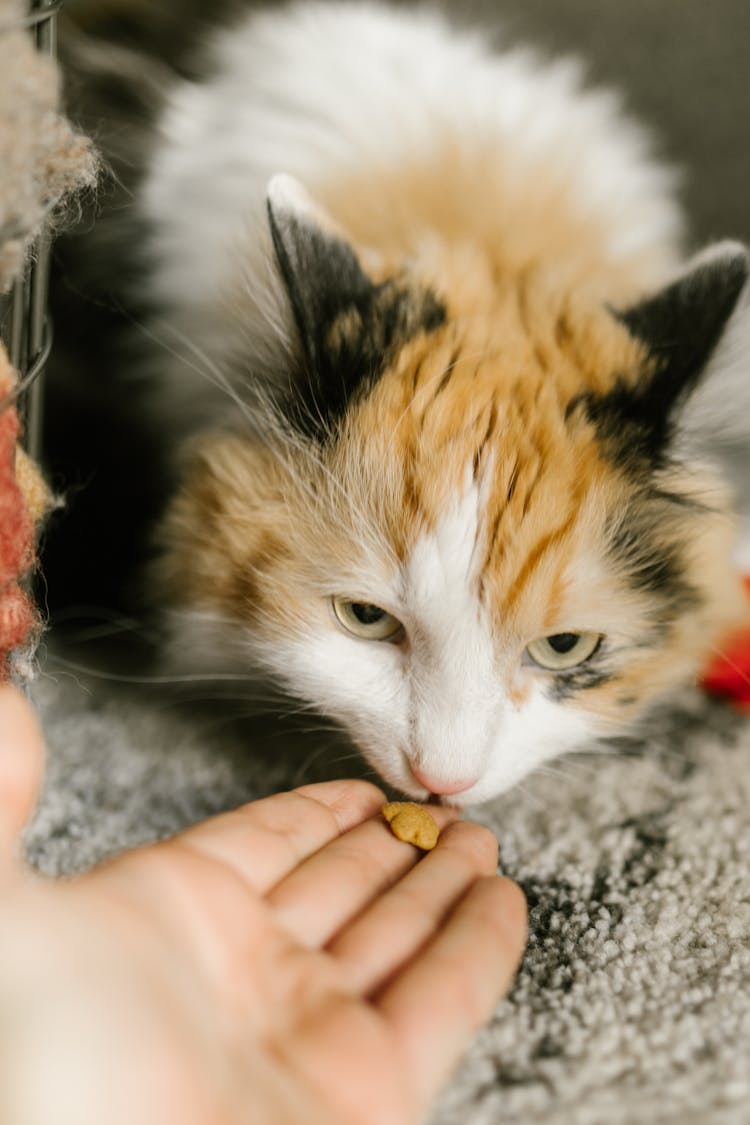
(633,1004)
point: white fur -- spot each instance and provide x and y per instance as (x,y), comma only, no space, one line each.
(433,702)
(319,89)
(315,91)
(441,702)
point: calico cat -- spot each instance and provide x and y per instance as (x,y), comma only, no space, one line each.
(456,431)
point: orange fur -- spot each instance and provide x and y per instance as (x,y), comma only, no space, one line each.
(469,193)
(524,277)
(264,545)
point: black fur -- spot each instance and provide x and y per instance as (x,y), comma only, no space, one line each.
(349,327)
(568,684)
(652,560)
(683,323)
(680,326)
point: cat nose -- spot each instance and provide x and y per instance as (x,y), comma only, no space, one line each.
(443,786)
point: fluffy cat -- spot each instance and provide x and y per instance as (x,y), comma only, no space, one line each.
(456,431)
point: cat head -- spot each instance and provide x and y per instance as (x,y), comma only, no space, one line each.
(483,524)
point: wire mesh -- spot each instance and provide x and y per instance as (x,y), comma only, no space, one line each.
(25,326)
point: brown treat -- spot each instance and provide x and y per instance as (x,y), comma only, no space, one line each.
(412,824)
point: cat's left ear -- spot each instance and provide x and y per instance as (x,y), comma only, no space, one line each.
(693,399)
(695,388)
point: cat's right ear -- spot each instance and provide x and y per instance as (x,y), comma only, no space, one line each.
(335,307)
(320,270)
(348,324)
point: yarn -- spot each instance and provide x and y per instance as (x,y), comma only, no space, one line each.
(43,163)
(18,617)
(32,484)
(43,160)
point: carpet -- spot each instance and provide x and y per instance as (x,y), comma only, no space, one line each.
(633,1002)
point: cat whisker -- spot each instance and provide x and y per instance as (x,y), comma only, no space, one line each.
(260,703)
(269,310)
(210,371)
(127,678)
(559,773)
(119,623)
(315,756)
(352,756)
(301,707)
(573,764)
(322,728)
(213,374)
(205,726)
(267,427)
(55,679)
(284,435)
(529,796)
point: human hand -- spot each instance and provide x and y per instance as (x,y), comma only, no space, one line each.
(290,961)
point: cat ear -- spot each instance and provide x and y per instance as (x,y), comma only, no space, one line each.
(348,325)
(683,324)
(697,375)
(320,270)
(714,423)
(717,408)
(693,400)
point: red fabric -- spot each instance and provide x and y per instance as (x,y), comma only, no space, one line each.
(728,674)
(17,616)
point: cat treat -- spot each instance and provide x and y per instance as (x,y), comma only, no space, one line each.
(412,824)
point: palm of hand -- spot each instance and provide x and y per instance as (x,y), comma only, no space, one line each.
(287,962)
(333,964)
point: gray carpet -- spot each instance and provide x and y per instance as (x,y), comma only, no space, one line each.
(633,1003)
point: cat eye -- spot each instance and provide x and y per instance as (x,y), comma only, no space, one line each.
(367,621)
(561,651)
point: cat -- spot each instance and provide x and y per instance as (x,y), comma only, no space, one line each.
(455,425)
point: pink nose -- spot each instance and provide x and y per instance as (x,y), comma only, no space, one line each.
(442,785)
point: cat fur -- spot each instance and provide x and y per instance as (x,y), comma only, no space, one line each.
(431,348)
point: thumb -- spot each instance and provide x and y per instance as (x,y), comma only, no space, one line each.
(21,766)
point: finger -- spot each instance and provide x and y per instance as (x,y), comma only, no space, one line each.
(21,764)
(447,993)
(387,935)
(265,840)
(330,888)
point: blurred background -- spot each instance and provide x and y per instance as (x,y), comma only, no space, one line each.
(681,66)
